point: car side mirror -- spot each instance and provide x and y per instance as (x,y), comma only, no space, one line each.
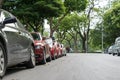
(9,20)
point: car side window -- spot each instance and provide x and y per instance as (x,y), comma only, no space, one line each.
(6,15)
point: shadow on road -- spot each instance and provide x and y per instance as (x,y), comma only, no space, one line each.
(14,70)
(17,69)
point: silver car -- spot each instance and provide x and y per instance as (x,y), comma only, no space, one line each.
(16,44)
(111,49)
(117,45)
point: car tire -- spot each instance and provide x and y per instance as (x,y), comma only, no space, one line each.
(57,56)
(44,58)
(31,63)
(3,61)
(49,58)
(65,54)
(54,57)
(118,54)
(113,54)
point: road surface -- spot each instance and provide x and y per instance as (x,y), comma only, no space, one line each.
(71,67)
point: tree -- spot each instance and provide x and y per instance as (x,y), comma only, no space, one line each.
(1,1)
(71,6)
(80,23)
(33,12)
(95,38)
(84,30)
(25,12)
(72,24)
(111,24)
(115,2)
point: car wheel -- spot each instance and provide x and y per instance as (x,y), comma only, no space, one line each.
(49,58)
(118,54)
(44,58)
(31,63)
(65,54)
(113,54)
(54,57)
(2,61)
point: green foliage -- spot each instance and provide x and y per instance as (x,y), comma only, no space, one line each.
(111,24)
(96,9)
(95,37)
(71,21)
(115,2)
(69,27)
(76,5)
(112,17)
(33,12)
(46,34)
(48,8)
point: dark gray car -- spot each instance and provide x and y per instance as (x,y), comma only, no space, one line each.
(16,44)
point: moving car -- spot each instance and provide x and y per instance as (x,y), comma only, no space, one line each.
(16,44)
(42,50)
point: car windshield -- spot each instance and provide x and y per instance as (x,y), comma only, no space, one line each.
(117,39)
(35,36)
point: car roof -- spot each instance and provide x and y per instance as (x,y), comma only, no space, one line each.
(117,39)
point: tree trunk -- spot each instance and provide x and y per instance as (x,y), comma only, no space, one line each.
(75,46)
(75,43)
(51,33)
(83,45)
(1,1)
(51,29)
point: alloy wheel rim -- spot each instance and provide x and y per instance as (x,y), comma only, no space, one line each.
(2,61)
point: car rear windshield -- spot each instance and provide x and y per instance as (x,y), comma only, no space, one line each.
(35,36)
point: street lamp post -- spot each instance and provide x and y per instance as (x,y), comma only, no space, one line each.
(102,40)
(86,43)
(109,3)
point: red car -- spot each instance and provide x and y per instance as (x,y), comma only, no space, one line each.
(60,50)
(42,50)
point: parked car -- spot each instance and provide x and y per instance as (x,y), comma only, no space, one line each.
(53,51)
(58,50)
(16,44)
(42,50)
(117,45)
(52,48)
(111,49)
(63,50)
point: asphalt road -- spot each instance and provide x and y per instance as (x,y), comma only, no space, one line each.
(71,67)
